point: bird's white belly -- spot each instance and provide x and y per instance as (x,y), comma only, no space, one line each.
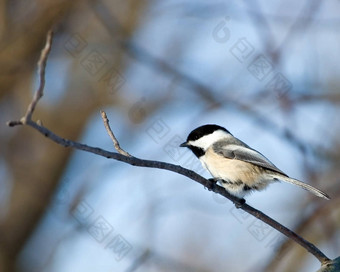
(229,169)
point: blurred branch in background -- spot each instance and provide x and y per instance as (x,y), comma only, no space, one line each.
(205,92)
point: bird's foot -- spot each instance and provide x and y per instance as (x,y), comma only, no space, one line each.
(213,184)
(239,203)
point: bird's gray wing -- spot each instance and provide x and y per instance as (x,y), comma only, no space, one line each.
(243,152)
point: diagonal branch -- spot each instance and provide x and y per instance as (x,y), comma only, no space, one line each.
(125,157)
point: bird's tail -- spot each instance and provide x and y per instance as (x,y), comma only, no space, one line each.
(305,186)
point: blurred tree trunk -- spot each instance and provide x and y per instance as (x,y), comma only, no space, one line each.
(36,164)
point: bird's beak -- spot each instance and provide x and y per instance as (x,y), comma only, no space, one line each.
(185,144)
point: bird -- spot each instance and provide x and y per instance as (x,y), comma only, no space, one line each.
(234,165)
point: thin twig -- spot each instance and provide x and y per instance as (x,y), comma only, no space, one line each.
(127,158)
(41,71)
(112,136)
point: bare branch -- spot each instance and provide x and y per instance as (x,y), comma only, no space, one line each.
(188,173)
(318,215)
(14,123)
(127,158)
(41,71)
(112,136)
(40,91)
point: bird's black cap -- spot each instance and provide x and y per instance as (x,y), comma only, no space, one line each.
(204,130)
(198,133)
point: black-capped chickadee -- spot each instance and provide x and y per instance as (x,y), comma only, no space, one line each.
(234,165)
